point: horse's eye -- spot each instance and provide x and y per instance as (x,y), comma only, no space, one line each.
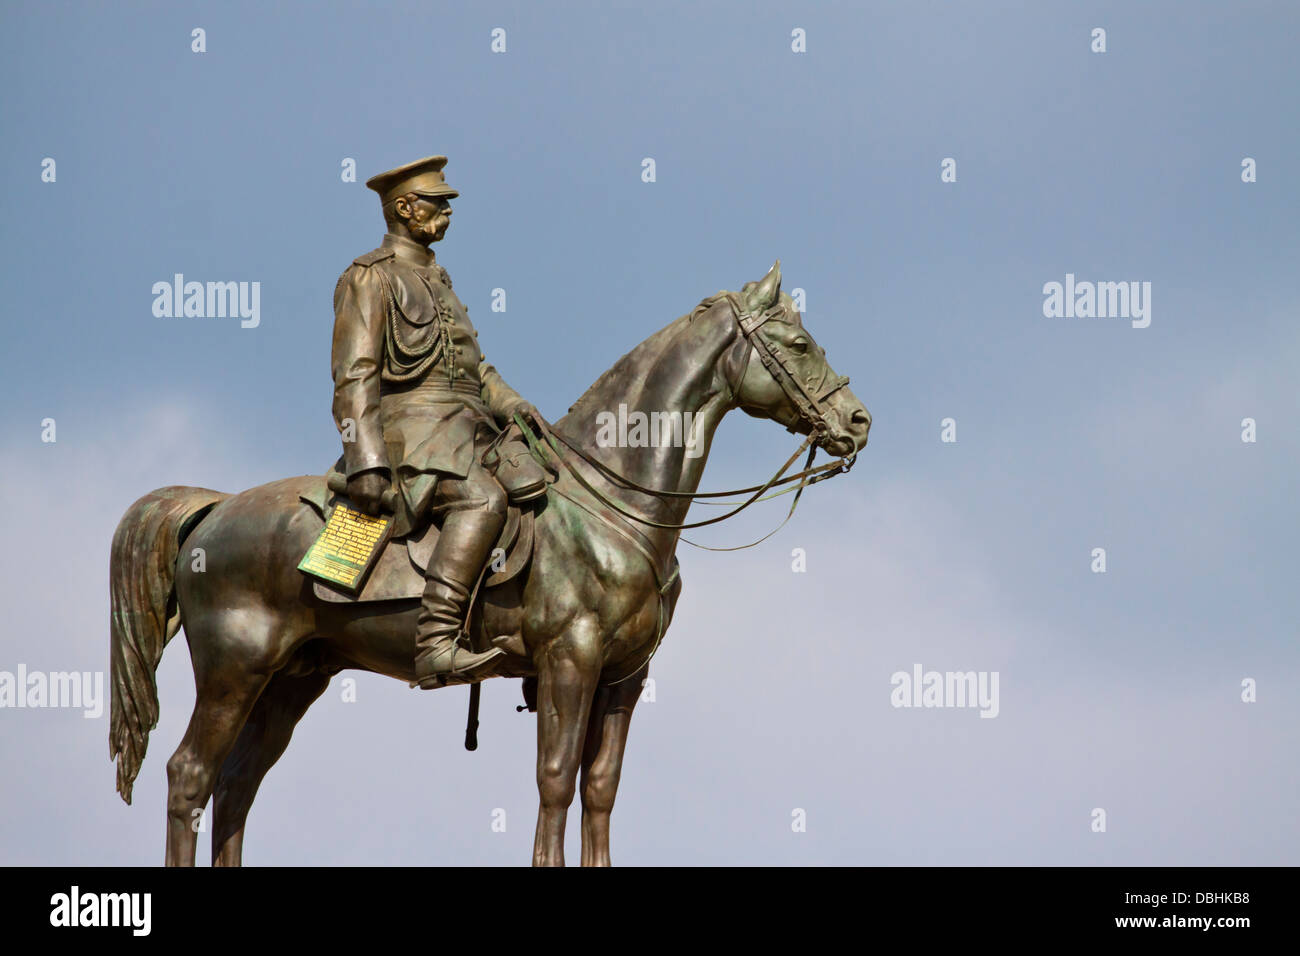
(799,346)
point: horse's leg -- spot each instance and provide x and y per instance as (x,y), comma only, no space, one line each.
(221,705)
(260,744)
(234,656)
(567,670)
(602,761)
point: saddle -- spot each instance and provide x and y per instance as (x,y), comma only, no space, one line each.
(398,574)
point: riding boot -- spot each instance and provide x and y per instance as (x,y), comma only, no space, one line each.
(463,548)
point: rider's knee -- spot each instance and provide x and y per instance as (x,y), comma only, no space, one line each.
(492,494)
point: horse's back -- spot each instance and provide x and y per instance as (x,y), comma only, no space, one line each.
(276,508)
(245,551)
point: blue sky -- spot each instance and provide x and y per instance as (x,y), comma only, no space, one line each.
(1119,690)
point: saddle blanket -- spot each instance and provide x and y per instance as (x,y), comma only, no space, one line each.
(398,573)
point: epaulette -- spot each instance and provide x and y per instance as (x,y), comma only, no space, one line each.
(373,256)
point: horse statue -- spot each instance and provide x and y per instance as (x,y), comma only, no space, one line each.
(580,620)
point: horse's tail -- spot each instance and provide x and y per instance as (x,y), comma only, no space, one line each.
(145,614)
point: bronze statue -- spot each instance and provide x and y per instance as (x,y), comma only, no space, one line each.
(583,599)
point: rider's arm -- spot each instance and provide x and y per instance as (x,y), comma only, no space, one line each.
(503,400)
(355,359)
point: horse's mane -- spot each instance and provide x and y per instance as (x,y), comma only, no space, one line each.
(620,368)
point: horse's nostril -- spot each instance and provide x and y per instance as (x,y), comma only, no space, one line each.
(862,417)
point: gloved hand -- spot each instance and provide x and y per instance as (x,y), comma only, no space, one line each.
(527,411)
(367,490)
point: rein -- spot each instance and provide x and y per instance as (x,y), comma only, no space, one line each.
(810,406)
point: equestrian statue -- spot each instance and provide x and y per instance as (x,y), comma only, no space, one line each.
(514,547)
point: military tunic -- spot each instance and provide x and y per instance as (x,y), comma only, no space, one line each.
(408,372)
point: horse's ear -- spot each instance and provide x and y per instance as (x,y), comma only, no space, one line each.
(763,295)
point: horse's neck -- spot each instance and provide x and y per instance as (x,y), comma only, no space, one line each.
(684,372)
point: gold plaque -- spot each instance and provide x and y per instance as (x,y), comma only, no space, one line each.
(347,548)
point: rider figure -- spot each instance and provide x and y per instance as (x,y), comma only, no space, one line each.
(417,405)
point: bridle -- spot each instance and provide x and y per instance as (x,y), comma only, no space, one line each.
(808,400)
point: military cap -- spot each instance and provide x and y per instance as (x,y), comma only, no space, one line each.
(423,177)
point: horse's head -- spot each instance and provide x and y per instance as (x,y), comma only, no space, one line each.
(787,378)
